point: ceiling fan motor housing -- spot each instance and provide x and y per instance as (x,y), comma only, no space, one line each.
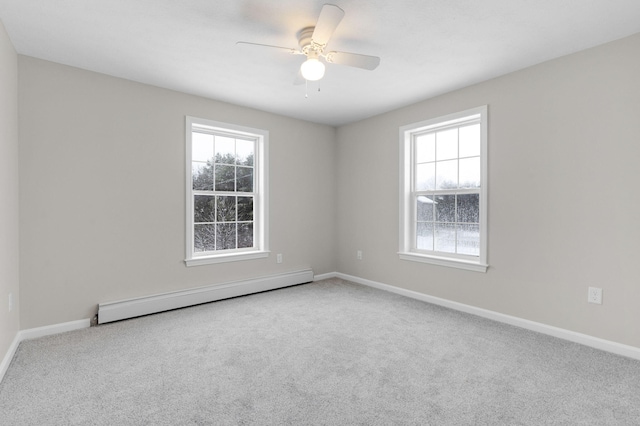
(305,41)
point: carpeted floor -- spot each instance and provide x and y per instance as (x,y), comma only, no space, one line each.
(326,353)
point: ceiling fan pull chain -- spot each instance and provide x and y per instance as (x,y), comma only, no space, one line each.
(306,89)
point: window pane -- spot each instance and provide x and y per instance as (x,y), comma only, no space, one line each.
(426,148)
(425,176)
(227,192)
(470,141)
(204,208)
(447,174)
(424,208)
(204,238)
(245,179)
(447,144)
(424,236)
(226,211)
(225,236)
(470,173)
(245,209)
(469,239)
(225,150)
(202,176)
(445,238)
(201,147)
(469,208)
(244,152)
(445,208)
(245,235)
(225,177)
(442,187)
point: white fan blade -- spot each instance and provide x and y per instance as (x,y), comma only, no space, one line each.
(328,21)
(288,49)
(353,60)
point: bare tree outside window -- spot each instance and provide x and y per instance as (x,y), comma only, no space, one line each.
(443,174)
(223,186)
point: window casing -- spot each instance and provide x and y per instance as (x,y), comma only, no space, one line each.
(226,187)
(443,190)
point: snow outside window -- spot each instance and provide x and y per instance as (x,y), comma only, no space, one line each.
(226,192)
(443,206)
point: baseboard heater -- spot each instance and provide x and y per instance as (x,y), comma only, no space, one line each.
(115,311)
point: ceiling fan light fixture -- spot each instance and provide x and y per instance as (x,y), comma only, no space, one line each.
(312,69)
(314,39)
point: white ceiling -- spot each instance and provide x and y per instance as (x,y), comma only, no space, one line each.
(427,47)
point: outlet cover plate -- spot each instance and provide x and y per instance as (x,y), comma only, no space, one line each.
(595,295)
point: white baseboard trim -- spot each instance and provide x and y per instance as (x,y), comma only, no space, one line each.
(48,330)
(8,357)
(572,336)
(115,311)
(34,333)
(321,277)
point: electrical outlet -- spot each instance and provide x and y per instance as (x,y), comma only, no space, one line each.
(359,254)
(595,295)
(279,258)
(10,302)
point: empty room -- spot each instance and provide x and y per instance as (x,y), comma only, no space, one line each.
(418,212)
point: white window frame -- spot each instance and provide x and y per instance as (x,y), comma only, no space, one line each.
(407,250)
(261,196)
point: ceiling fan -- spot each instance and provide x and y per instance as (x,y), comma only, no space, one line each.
(314,40)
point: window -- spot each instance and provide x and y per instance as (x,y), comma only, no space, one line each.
(226,192)
(443,206)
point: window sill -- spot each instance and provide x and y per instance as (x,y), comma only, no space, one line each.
(443,261)
(223,258)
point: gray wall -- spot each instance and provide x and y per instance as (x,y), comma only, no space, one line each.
(9,321)
(564,148)
(102,192)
